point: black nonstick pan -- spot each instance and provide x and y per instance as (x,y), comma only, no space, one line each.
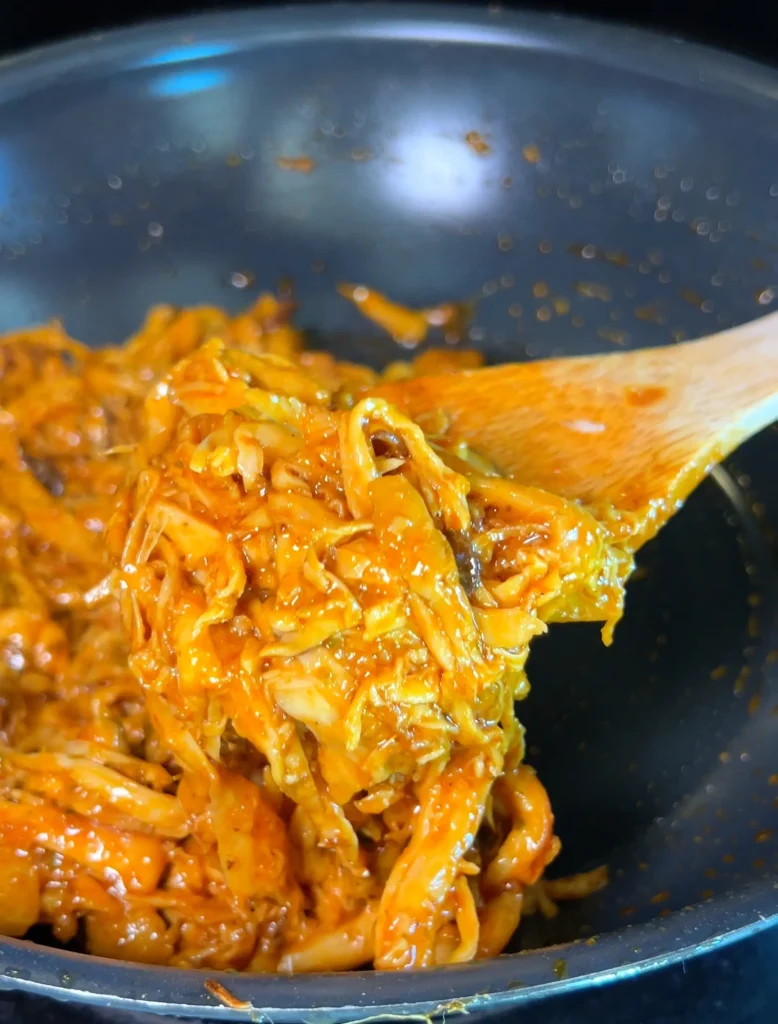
(625,194)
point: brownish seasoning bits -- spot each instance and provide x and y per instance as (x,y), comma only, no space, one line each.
(299,164)
(478,143)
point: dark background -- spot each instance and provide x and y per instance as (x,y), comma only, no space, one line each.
(738,985)
(750,26)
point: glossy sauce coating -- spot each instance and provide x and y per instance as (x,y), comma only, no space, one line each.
(261,642)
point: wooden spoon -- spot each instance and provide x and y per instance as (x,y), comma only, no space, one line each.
(634,430)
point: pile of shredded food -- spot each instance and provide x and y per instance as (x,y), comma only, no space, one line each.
(260,642)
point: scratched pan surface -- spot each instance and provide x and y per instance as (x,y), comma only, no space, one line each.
(628,196)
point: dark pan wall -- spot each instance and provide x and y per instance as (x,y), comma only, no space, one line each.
(750,26)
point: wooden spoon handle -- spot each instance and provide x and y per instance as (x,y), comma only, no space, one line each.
(636,430)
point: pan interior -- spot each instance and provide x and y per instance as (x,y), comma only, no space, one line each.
(618,201)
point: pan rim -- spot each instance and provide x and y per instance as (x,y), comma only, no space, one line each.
(617,45)
(118,985)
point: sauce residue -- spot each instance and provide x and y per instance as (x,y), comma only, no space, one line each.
(478,143)
(217,989)
(616,337)
(408,327)
(560,969)
(592,290)
(650,314)
(645,396)
(300,164)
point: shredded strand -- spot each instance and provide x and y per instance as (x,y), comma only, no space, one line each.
(260,645)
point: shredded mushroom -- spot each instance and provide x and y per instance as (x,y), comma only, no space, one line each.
(261,643)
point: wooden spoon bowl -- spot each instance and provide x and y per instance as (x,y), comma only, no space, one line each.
(636,431)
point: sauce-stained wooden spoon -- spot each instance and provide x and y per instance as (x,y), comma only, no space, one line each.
(634,430)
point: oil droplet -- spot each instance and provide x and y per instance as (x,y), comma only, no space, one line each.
(543,314)
(719,672)
(114,181)
(531,153)
(240,279)
(504,243)
(584,252)
(545,247)
(661,897)
(155,229)
(561,306)
(540,289)
(233,160)
(764,836)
